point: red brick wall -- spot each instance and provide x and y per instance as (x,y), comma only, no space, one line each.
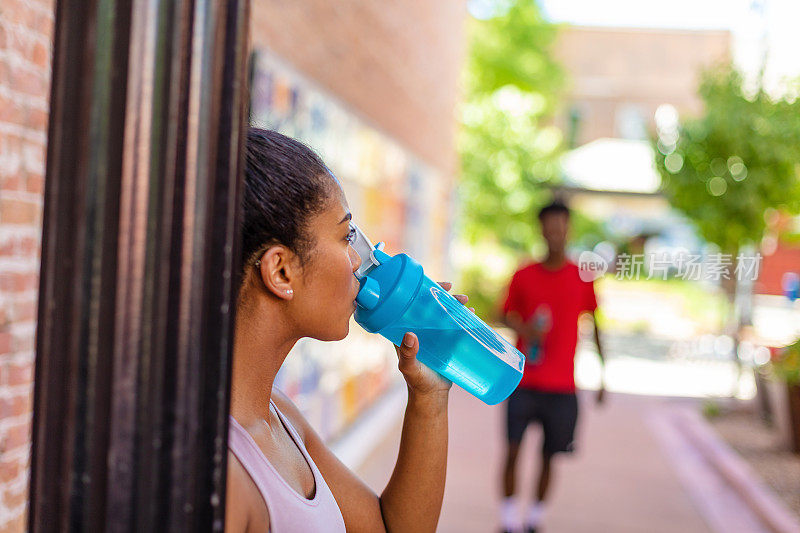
(611,67)
(395,62)
(26,28)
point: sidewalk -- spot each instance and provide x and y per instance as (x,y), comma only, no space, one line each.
(623,478)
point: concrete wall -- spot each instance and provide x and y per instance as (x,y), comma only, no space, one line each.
(26,28)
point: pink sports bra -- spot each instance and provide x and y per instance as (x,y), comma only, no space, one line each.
(289,511)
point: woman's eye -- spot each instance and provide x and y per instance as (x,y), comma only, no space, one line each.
(351,236)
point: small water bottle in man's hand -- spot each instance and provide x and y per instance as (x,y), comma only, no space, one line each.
(540,322)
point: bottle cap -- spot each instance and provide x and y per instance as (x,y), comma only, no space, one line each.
(387,290)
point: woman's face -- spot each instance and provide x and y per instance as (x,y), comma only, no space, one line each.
(325,299)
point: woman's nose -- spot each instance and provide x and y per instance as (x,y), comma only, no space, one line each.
(355,259)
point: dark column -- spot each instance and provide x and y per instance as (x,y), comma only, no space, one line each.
(139,264)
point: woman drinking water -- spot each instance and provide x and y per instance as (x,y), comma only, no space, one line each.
(298,281)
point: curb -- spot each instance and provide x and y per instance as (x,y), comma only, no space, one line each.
(736,473)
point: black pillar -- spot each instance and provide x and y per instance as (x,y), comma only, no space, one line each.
(139,263)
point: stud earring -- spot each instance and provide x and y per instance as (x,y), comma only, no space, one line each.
(289,291)
(257,264)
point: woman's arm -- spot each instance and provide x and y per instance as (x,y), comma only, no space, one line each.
(412,500)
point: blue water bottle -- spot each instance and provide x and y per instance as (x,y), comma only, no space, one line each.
(396,297)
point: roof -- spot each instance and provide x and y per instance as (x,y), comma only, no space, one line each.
(612,165)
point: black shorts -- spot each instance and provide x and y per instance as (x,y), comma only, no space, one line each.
(557,412)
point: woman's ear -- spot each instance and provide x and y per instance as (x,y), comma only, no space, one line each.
(279,269)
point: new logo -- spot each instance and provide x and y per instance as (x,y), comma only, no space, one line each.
(591,266)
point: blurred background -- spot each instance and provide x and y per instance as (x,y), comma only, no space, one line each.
(672,129)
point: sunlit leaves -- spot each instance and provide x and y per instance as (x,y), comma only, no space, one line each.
(507,143)
(733,163)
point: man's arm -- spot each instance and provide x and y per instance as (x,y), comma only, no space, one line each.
(506,311)
(602,390)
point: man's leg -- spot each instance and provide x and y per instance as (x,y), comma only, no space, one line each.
(535,512)
(516,422)
(544,477)
(509,470)
(559,415)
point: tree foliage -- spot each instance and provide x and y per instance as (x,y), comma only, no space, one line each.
(726,168)
(506,145)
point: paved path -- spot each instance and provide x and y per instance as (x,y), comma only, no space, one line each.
(622,478)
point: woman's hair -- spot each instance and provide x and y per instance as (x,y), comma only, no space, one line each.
(285,184)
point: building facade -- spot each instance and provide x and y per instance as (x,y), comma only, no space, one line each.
(619,77)
(387,71)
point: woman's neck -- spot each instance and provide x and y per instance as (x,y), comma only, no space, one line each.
(261,344)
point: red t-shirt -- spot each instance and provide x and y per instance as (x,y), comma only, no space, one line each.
(554,298)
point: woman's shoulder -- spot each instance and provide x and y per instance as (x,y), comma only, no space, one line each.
(244,506)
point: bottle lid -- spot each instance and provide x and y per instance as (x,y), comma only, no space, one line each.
(387,290)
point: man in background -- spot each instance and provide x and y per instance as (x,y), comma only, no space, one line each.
(543,305)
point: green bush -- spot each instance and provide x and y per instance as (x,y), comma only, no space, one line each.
(785,364)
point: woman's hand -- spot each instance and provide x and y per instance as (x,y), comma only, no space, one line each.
(420,379)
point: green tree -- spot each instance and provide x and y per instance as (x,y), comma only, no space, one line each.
(740,158)
(727,167)
(507,144)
